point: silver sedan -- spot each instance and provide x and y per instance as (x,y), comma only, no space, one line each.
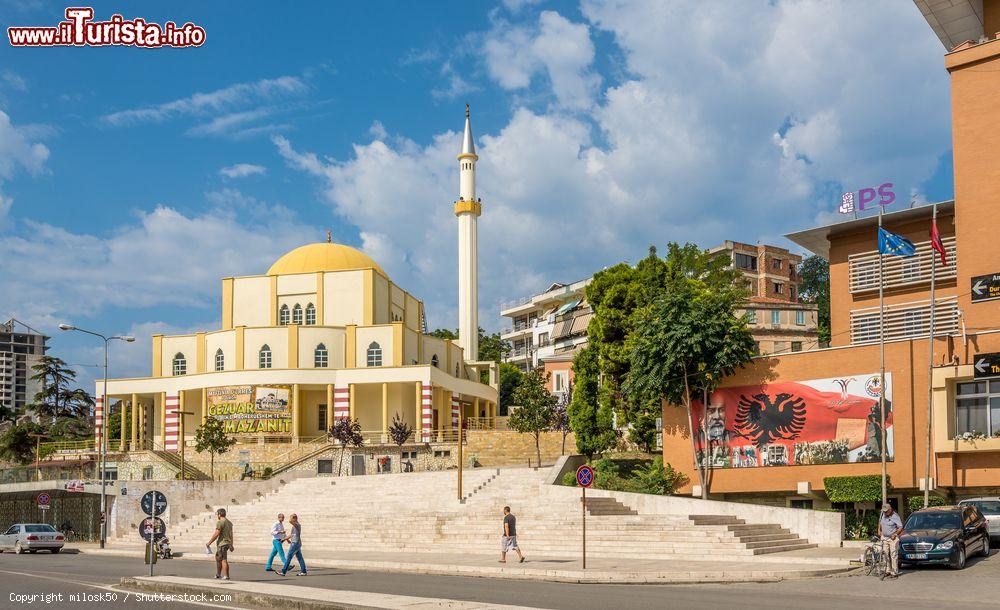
(31,537)
(990,507)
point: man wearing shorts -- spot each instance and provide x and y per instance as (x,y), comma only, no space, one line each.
(224,535)
(509,540)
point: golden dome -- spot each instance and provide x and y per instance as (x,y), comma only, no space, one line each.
(322,257)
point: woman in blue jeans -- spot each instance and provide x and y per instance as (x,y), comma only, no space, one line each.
(278,539)
(295,550)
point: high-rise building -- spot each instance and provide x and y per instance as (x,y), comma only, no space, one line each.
(21,347)
(779,321)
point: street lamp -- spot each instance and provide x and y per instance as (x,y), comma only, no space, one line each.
(38,451)
(102,450)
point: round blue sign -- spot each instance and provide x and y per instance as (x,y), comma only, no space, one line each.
(585,476)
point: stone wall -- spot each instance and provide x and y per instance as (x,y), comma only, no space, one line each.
(509,448)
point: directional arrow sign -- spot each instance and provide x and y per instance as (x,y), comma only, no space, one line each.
(985,287)
(986,365)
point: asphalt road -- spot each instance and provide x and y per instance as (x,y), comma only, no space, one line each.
(915,589)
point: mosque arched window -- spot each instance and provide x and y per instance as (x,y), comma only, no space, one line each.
(374,354)
(180,364)
(297,314)
(310,314)
(321,358)
(264,356)
(220,360)
(434,360)
(283,315)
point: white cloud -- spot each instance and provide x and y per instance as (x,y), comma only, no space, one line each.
(456,85)
(14,81)
(555,46)
(240,94)
(18,150)
(242,170)
(165,258)
(727,122)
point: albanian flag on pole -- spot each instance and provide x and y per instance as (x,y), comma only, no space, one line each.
(937,244)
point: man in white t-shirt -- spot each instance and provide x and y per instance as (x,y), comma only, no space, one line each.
(277,540)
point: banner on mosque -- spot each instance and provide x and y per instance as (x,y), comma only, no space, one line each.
(795,423)
(264,410)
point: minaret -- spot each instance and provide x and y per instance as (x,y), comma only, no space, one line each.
(468,209)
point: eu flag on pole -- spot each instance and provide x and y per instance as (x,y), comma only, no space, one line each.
(890,243)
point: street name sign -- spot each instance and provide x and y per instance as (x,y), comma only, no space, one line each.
(986,365)
(985,287)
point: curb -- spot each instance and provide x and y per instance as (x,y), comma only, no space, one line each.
(561,576)
(241,598)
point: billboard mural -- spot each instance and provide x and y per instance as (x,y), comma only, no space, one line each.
(252,410)
(788,423)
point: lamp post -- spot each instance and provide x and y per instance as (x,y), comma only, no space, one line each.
(38,451)
(181,415)
(102,450)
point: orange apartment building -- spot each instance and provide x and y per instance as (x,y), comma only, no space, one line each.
(784,423)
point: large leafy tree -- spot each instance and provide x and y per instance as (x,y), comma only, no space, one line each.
(54,377)
(815,288)
(510,379)
(592,422)
(691,338)
(619,295)
(212,437)
(16,443)
(535,409)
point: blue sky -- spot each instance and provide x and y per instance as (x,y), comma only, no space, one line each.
(131,179)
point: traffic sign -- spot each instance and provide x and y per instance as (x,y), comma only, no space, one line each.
(986,365)
(152,528)
(985,287)
(585,476)
(148,500)
(43,500)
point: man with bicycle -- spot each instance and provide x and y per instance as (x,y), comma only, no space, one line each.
(890,528)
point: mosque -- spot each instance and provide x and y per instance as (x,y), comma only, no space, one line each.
(324,334)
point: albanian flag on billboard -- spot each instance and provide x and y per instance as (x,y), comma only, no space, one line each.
(822,421)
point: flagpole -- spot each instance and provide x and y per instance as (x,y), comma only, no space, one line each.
(881,341)
(930,365)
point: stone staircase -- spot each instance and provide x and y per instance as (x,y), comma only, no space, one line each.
(191,472)
(420,513)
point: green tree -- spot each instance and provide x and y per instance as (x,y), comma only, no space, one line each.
(211,436)
(54,377)
(444,333)
(16,444)
(815,288)
(691,338)
(510,379)
(115,422)
(535,409)
(592,422)
(399,433)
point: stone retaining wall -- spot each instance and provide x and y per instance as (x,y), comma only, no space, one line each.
(509,448)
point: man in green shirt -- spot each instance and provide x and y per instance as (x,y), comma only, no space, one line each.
(224,535)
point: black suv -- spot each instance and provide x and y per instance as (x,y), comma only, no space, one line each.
(944,534)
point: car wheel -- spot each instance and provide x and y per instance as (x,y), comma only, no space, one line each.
(32,551)
(18,548)
(959,559)
(54,551)
(986,547)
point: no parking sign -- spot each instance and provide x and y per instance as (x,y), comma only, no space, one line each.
(43,500)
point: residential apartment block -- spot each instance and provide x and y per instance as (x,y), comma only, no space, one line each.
(546,330)
(779,320)
(21,348)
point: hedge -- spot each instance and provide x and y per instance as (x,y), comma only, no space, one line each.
(866,488)
(917,502)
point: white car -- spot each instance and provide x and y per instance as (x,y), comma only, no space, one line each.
(31,537)
(990,507)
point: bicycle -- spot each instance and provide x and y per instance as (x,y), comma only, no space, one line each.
(875,560)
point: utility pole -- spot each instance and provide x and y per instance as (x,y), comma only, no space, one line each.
(38,451)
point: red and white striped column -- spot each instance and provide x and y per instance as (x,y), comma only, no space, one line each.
(455,406)
(98,422)
(426,412)
(172,424)
(341,403)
